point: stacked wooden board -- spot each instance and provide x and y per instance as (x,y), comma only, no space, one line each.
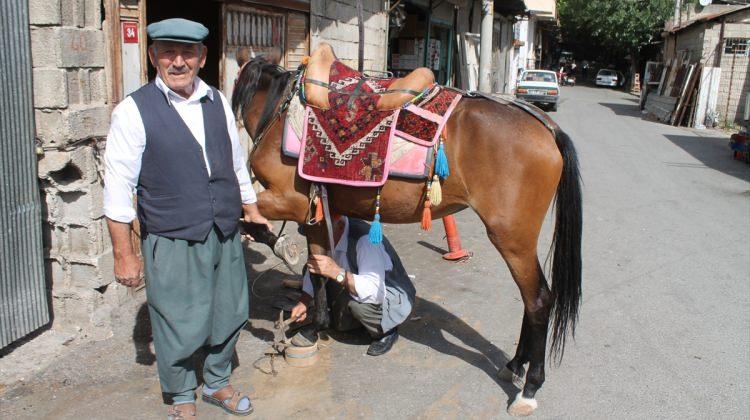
(673,100)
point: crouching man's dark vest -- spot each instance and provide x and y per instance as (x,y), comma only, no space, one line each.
(176,196)
(399,290)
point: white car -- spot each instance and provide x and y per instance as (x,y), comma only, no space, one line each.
(539,87)
(609,78)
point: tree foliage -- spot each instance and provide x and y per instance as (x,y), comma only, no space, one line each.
(593,28)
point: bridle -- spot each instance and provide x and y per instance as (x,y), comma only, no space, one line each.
(291,89)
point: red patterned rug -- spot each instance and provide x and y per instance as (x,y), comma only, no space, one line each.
(348,143)
(351,142)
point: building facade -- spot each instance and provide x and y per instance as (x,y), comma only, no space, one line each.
(88,55)
(717,37)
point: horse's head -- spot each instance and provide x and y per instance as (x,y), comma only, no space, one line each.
(257,92)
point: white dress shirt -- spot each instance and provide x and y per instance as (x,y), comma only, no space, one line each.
(127,140)
(372,263)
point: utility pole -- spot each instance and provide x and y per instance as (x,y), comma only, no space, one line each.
(485,46)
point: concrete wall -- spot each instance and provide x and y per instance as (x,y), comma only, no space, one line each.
(72,119)
(691,42)
(735,82)
(335,22)
(703,43)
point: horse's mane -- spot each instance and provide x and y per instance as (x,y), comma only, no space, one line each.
(258,74)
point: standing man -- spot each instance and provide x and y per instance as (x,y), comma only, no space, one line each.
(367,287)
(175,143)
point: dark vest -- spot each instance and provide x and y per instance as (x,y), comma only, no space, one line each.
(176,197)
(399,290)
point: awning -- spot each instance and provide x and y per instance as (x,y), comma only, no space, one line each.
(509,7)
(542,9)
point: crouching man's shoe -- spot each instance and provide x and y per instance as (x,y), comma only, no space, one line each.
(383,344)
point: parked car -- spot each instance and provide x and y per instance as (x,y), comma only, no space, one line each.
(609,78)
(539,87)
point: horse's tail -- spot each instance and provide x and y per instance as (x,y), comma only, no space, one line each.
(566,248)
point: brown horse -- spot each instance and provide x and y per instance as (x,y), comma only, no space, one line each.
(506,164)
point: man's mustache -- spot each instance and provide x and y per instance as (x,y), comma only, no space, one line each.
(178,70)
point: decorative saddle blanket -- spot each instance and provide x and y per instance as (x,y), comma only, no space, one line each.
(353,143)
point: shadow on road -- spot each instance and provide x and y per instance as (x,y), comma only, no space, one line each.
(713,152)
(433,323)
(432,247)
(628,110)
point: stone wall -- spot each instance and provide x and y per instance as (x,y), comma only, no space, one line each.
(72,119)
(335,22)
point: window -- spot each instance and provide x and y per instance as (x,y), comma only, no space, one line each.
(535,76)
(737,46)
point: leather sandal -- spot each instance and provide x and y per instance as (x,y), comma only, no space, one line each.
(181,412)
(229,399)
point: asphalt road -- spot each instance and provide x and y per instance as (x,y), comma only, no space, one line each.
(664,329)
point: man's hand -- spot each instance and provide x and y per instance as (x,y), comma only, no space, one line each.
(129,270)
(128,267)
(251,214)
(323,265)
(299,312)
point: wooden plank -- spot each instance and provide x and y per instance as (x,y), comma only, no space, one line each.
(660,107)
(687,94)
(112,30)
(681,92)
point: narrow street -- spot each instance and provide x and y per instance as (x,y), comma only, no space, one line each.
(664,329)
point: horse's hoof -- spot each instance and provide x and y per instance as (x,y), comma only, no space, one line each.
(521,406)
(507,375)
(286,249)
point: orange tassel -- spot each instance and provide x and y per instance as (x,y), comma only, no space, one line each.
(426,216)
(318,210)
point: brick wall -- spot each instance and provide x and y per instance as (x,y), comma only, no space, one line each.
(735,82)
(72,119)
(335,22)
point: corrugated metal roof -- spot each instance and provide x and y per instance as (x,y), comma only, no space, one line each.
(707,17)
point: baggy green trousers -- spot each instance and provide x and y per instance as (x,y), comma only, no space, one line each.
(197,297)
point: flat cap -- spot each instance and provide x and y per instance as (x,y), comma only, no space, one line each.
(179,30)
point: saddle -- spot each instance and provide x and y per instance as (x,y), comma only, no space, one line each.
(400,90)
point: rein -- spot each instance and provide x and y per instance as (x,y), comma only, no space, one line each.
(290,90)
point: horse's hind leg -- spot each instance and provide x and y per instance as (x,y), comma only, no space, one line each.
(524,266)
(513,223)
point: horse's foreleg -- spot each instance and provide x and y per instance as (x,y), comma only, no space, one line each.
(316,245)
(280,205)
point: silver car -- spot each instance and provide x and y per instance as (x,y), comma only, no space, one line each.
(609,78)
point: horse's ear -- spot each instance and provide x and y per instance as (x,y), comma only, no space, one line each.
(243,56)
(275,55)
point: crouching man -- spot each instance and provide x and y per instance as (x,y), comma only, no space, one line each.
(368,287)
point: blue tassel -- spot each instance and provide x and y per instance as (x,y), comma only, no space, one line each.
(441,163)
(376,231)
